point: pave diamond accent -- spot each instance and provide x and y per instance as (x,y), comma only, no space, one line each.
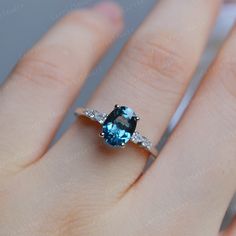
(137,138)
(118,127)
(96,115)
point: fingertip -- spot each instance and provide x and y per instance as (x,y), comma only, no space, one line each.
(110,10)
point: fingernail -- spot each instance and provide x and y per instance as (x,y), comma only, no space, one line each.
(110,9)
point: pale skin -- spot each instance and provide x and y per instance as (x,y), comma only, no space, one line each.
(79,187)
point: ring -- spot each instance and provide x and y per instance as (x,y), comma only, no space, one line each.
(119,127)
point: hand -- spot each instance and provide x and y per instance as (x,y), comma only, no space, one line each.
(76,187)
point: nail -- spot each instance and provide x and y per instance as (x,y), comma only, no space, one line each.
(110,9)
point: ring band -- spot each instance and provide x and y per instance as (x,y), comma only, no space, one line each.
(119,127)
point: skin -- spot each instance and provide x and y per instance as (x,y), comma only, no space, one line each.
(78,186)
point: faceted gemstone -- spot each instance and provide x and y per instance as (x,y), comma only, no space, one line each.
(141,140)
(95,115)
(89,113)
(119,126)
(100,117)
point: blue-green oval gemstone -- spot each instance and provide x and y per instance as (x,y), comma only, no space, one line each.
(119,126)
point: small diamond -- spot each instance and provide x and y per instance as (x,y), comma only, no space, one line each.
(146,143)
(100,117)
(137,138)
(89,113)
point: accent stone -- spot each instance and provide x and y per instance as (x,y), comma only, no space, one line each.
(137,138)
(96,115)
(100,117)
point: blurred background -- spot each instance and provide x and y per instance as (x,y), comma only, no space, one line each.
(23,22)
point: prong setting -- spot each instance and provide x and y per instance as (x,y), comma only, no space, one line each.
(119,121)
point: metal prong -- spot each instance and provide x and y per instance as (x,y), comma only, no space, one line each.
(102,135)
(117,106)
(137,118)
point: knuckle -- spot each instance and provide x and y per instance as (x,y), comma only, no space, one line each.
(38,66)
(157,67)
(153,55)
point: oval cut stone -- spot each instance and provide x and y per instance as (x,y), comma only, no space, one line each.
(119,126)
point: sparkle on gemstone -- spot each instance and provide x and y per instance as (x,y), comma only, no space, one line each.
(119,126)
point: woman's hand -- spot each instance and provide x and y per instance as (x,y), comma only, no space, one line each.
(78,187)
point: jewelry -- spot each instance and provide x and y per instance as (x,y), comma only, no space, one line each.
(119,127)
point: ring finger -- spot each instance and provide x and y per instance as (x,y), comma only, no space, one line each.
(150,76)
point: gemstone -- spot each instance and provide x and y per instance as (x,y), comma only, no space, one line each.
(100,117)
(119,126)
(137,138)
(89,113)
(146,143)
(95,115)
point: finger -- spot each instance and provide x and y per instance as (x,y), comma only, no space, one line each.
(231,230)
(154,97)
(43,85)
(194,180)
